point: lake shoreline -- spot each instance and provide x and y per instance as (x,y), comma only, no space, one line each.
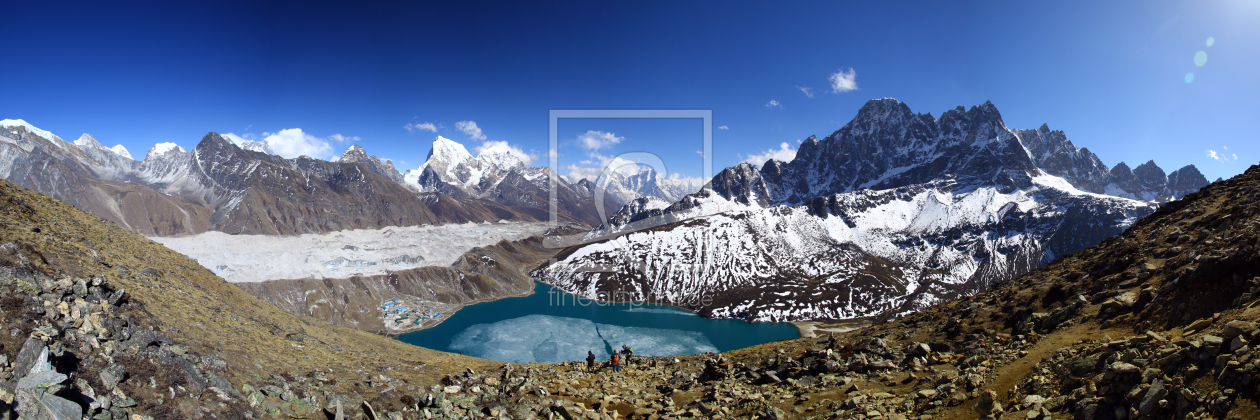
(550,325)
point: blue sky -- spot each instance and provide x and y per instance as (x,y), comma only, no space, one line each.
(1112,75)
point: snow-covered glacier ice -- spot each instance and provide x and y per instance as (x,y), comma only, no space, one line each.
(341,254)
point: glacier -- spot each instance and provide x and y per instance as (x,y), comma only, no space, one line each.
(341,254)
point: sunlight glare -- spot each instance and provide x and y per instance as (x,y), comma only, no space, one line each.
(1200,58)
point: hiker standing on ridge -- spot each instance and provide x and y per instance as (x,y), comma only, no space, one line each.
(629,352)
(590,360)
(616,362)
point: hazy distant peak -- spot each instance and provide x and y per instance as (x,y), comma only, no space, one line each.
(121,151)
(162,149)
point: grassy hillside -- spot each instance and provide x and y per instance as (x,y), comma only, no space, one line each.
(44,241)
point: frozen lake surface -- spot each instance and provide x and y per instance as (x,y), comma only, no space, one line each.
(552,326)
(341,254)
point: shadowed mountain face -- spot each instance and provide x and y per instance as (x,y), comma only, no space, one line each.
(938,207)
(221,186)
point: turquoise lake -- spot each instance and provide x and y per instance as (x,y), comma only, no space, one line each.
(553,326)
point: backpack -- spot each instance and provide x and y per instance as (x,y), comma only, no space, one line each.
(616,359)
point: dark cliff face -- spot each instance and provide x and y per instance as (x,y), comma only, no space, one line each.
(887,146)
(1123,177)
(743,184)
(356,154)
(1056,155)
(1185,181)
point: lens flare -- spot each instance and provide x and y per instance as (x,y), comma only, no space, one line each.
(1189,77)
(1200,58)
(1211,41)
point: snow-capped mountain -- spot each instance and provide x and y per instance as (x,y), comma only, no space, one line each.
(893,211)
(499,175)
(257,146)
(450,169)
(162,149)
(647,183)
(221,186)
(121,151)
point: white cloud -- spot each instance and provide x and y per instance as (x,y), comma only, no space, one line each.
(842,81)
(595,140)
(784,153)
(809,91)
(235,139)
(339,137)
(723,127)
(1222,157)
(293,142)
(605,163)
(773,103)
(470,128)
(498,146)
(422,126)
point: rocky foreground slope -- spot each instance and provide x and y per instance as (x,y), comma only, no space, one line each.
(102,322)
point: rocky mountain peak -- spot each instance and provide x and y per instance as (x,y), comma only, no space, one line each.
(448,152)
(741,183)
(1186,180)
(354,154)
(882,109)
(1150,176)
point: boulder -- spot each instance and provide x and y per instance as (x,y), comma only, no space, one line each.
(1236,328)
(38,405)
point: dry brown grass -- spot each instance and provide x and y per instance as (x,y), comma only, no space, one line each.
(194,307)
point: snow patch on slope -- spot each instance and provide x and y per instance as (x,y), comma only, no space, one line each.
(162,148)
(34,130)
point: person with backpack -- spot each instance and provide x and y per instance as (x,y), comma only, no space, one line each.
(629,352)
(590,361)
(616,362)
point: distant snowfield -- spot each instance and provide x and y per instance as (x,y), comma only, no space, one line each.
(253,258)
